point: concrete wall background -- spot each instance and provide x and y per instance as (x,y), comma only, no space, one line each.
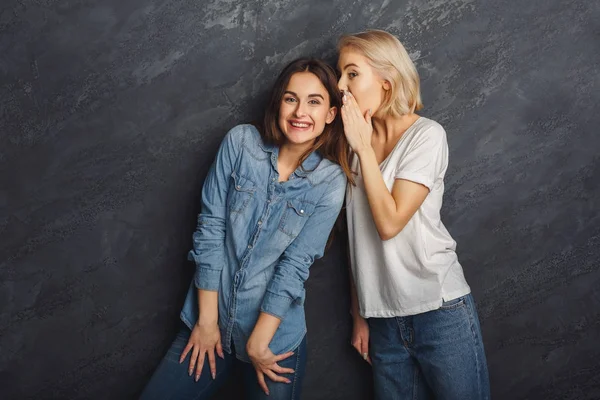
(111,113)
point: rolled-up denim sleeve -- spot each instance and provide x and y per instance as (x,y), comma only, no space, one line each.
(287,283)
(208,252)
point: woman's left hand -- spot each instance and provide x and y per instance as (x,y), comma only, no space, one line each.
(357,128)
(265,363)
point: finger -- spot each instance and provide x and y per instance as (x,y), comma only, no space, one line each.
(276,378)
(344,113)
(261,382)
(348,106)
(283,356)
(357,344)
(185,352)
(364,348)
(369,116)
(200,364)
(281,370)
(353,106)
(220,349)
(212,363)
(357,113)
(193,359)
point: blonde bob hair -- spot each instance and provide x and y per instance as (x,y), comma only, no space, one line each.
(390,60)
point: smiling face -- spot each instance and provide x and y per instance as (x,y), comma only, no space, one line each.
(305,109)
(359,78)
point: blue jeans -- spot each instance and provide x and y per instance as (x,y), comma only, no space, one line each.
(171,380)
(434,355)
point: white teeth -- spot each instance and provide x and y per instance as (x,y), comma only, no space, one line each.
(299,125)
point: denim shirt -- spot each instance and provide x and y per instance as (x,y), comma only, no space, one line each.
(256,238)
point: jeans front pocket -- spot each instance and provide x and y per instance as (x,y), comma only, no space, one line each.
(453,304)
(294,216)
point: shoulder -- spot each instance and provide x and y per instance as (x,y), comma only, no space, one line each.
(428,134)
(243,134)
(430,129)
(330,173)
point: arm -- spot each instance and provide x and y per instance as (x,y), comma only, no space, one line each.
(415,173)
(287,283)
(208,255)
(208,251)
(354,309)
(360,327)
(391,211)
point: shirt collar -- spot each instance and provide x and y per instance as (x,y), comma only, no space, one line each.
(310,163)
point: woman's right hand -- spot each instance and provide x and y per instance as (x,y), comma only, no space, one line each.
(360,337)
(205,339)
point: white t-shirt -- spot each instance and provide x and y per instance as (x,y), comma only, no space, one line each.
(418,269)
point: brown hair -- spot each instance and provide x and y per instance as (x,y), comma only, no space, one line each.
(332,143)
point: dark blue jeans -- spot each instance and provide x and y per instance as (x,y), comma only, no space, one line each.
(171,380)
(435,355)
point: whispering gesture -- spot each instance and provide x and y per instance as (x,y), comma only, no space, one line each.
(358,128)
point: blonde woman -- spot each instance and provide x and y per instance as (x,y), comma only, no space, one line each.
(414,317)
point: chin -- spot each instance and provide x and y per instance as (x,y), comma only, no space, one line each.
(298,141)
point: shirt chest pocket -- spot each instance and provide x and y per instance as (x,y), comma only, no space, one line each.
(295,215)
(240,193)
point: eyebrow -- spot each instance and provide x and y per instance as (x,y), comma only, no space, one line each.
(310,95)
(350,65)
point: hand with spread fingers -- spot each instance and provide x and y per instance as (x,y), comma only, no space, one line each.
(265,363)
(204,341)
(358,128)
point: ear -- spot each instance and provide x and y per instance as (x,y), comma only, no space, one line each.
(386,85)
(331,115)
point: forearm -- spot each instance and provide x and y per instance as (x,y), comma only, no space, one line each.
(354,308)
(381,202)
(263,332)
(208,306)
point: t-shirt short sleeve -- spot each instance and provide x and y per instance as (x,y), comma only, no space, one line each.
(426,158)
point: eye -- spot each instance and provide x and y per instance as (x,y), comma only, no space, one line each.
(289,99)
(315,102)
(352,75)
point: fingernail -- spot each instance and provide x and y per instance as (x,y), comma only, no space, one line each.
(190,373)
(197,377)
(288,381)
(370,112)
(214,376)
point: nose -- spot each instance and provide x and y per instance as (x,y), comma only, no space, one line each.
(342,83)
(300,110)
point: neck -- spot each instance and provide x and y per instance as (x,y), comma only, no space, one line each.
(391,127)
(289,154)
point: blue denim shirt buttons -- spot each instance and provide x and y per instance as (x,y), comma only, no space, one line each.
(256,238)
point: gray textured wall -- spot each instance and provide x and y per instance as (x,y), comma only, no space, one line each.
(111,112)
